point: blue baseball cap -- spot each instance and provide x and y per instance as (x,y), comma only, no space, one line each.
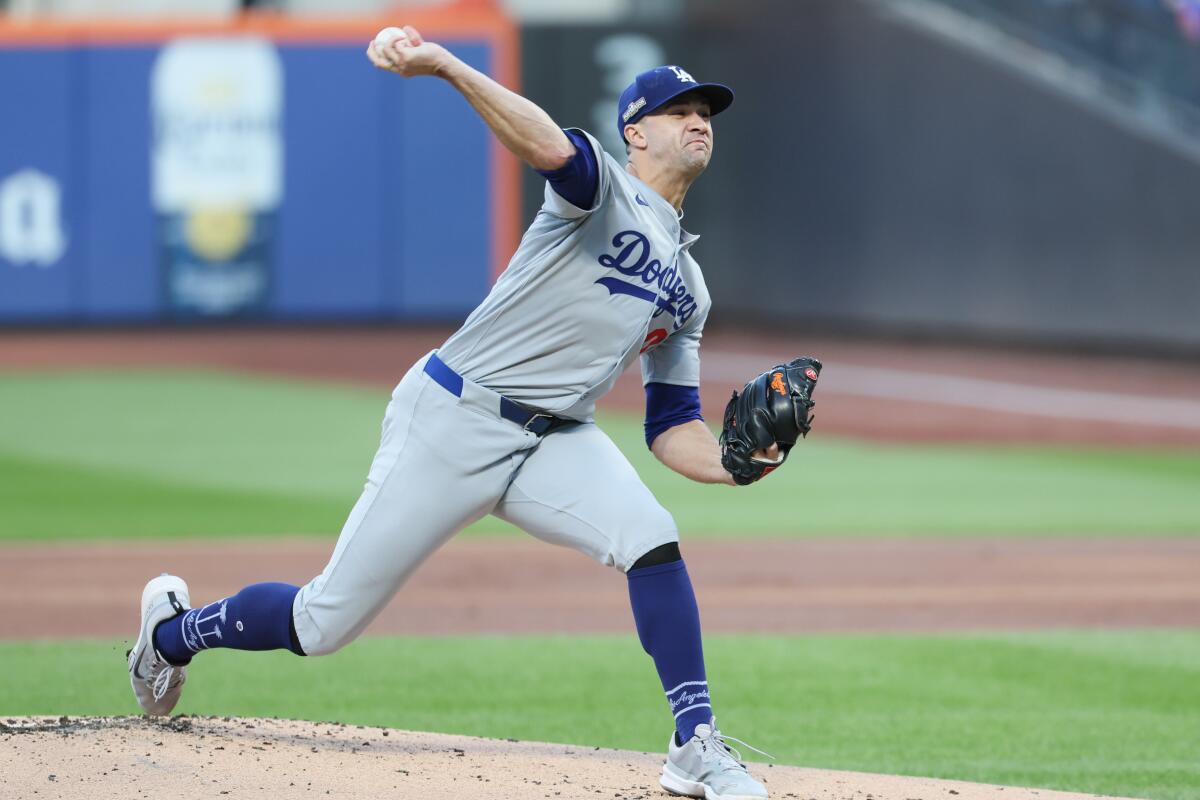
(654,87)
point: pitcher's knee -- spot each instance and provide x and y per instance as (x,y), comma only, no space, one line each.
(324,645)
(657,556)
(634,538)
(326,635)
(323,627)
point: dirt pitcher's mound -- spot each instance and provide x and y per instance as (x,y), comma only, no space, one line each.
(203,757)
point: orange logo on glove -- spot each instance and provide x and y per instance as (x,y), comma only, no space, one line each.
(777,384)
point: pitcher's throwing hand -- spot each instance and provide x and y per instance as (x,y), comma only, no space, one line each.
(404,52)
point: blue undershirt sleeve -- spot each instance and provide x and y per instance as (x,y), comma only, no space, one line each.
(577,180)
(668,405)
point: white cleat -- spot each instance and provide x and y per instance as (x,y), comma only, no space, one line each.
(156,684)
(705,766)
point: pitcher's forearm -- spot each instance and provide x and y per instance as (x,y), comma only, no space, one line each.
(691,450)
(520,125)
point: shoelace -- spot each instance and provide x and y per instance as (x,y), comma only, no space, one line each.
(162,682)
(723,740)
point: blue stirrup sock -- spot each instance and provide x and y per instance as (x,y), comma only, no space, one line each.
(668,625)
(258,617)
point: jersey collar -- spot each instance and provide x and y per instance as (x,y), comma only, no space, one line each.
(666,212)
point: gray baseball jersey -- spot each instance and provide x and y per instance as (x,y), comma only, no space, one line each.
(585,293)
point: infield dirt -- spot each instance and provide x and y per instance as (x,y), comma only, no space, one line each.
(205,757)
(743,586)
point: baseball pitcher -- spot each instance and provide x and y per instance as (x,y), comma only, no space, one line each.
(603,277)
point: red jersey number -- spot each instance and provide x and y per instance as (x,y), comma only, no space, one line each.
(654,337)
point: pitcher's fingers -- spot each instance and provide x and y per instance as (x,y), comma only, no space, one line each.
(376,58)
(397,44)
(414,35)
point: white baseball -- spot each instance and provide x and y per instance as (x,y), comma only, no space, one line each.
(385,37)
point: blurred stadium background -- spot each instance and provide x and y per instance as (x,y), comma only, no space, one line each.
(223,237)
(1017,170)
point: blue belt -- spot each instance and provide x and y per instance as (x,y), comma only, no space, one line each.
(538,422)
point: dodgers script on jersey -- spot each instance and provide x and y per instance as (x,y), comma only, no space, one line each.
(587,291)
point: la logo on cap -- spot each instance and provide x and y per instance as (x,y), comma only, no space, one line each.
(682,74)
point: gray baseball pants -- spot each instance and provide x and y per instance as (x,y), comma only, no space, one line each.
(444,462)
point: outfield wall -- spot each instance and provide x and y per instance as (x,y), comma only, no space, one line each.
(248,169)
(870,177)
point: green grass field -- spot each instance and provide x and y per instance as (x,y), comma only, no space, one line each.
(1115,712)
(167,454)
(162,453)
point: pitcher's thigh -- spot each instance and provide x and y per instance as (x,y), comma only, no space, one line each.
(578,490)
(420,493)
